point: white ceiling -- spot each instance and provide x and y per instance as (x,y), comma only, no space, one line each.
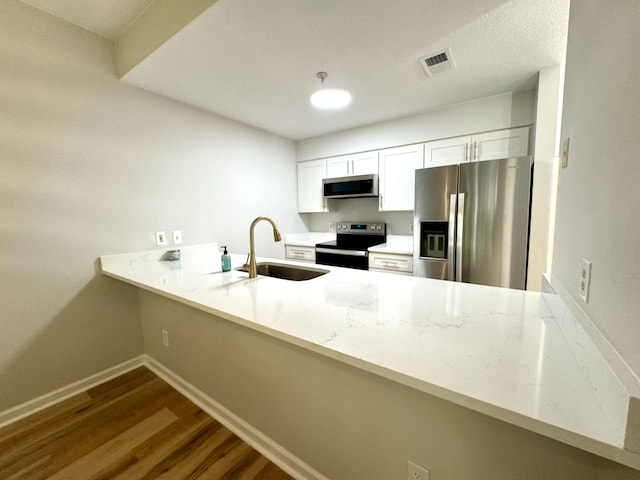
(256,61)
(107,18)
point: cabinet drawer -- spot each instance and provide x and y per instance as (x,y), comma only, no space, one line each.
(391,262)
(303,254)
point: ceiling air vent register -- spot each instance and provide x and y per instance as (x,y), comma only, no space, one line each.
(437,62)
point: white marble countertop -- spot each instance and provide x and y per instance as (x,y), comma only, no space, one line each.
(308,239)
(399,244)
(516,356)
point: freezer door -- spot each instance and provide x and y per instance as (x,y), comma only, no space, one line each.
(434,222)
(494,221)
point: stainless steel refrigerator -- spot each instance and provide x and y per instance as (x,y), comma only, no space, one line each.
(471,222)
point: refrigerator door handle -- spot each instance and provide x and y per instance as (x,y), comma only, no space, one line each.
(451,244)
(459,237)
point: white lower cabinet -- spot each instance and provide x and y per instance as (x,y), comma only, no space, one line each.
(391,263)
(300,254)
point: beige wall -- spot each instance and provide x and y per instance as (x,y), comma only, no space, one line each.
(346,423)
(91,166)
(598,195)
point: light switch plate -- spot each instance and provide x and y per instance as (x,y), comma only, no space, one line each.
(565,153)
(177,237)
(161,239)
(585,280)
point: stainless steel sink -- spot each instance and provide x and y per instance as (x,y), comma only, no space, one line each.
(288,272)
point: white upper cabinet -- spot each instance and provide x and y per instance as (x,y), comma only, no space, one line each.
(450,151)
(397,166)
(310,175)
(501,144)
(513,142)
(397,176)
(355,164)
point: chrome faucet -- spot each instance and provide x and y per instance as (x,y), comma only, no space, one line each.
(251,266)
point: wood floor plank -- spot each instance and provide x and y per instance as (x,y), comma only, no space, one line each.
(27,471)
(214,439)
(101,457)
(142,459)
(62,426)
(133,427)
(15,429)
(81,435)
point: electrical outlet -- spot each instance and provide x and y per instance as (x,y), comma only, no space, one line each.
(416,472)
(165,338)
(161,239)
(177,237)
(331,226)
(585,280)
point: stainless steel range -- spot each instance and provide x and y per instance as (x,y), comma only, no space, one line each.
(349,249)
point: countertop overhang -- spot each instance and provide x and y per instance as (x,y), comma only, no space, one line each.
(513,355)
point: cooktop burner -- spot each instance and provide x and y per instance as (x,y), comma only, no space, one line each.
(357,236)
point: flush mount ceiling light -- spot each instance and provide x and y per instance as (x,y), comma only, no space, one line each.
(329,98)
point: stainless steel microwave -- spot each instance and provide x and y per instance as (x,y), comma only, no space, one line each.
(350,187)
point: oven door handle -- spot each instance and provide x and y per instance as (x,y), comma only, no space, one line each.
(351,253)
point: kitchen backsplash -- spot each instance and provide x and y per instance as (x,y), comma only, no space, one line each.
(362,210)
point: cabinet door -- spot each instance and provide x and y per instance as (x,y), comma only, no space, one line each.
(310,175)
(339,166)
(513,142)
(364,163)
(355,164)
(390,262)
(450,151)
(397,176)
(301,254)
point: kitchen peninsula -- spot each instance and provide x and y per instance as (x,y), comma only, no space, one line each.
(507,354)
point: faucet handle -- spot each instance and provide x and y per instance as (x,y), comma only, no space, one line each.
(246,263)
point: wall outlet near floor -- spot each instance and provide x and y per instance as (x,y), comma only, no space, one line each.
(585,280)
(165,338)
(177,237)
(416,472)
(161,239)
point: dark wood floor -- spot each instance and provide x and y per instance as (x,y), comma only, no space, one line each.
(133,427)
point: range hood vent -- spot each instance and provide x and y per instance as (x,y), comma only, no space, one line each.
(437,62)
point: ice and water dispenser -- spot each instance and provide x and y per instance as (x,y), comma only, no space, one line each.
(433,239)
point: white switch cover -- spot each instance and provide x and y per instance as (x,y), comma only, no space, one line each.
(565,153)
(585,280)
(177,237)
(161,239)
(416,472)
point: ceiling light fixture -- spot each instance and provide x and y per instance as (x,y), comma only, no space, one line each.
(329,98)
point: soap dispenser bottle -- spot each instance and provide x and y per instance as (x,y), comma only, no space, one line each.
(225,260)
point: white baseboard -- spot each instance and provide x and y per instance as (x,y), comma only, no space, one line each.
(32,406)
(265,445)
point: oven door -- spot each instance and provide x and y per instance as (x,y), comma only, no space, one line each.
(343,258)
